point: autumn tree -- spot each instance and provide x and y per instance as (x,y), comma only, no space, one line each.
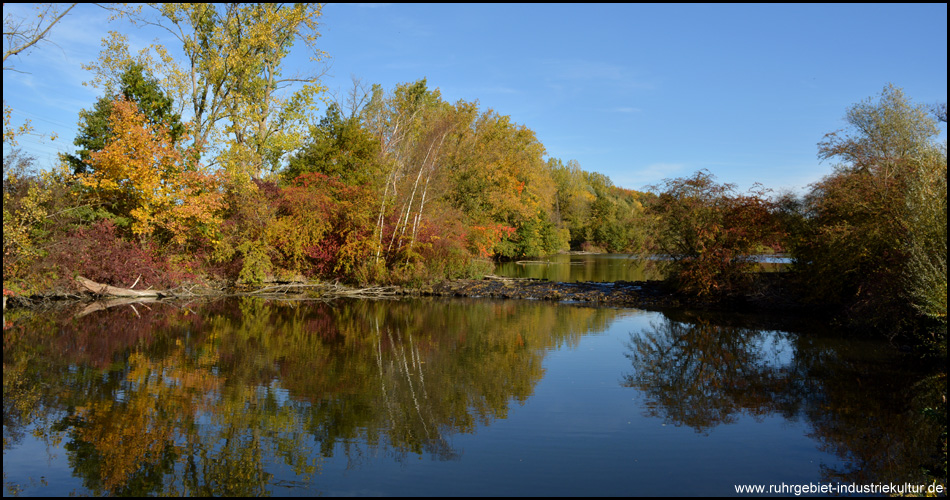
(324,227)
(411,125)
(232,85)
(500,178)
(141,174)
(878,221)
(709,233)
(137,85)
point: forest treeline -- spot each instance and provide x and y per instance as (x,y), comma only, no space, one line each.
(218,167)
(268,179)
(408,188)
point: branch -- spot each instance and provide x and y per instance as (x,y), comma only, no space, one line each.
(16,50)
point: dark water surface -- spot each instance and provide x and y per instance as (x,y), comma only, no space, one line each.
(443,397)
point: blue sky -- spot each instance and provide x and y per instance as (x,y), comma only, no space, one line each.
(637,92)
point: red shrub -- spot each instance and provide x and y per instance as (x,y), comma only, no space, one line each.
(98,253)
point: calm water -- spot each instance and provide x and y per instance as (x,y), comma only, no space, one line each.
(443,397)
(601,268)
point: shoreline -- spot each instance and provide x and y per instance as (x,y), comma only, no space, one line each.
(770,294)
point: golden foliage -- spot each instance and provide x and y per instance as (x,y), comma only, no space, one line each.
(142,175)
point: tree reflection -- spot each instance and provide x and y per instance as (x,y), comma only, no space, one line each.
(852,394)
(702,375)
(164,400)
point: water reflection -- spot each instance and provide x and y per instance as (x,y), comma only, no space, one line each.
(855,397)
(251,397)
(570,268)
(603,268)
(162,400)
(702,375)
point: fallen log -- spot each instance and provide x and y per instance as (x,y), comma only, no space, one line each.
(112,291)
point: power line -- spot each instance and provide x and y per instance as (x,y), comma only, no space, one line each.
(32,116)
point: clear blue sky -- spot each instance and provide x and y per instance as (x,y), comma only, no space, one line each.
(637,92)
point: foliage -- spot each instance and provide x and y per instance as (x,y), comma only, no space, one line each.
(142,175)
(23,210)
(616,217)
(324,226)
(95,128)
(411,124)
(243,108)
(39,209)
(342,148)
(98,252)
(874,232)
(573,199)
(242,253)
(596,213)
(925,277)
(709,233)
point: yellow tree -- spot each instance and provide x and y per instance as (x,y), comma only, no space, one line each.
(243,108)
(501,181)
(140,174)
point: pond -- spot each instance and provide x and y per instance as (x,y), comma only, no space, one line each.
(603,267)
(445,397)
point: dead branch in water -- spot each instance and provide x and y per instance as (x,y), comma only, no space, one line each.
(330,290)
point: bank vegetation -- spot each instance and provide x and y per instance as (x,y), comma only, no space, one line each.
(214,170)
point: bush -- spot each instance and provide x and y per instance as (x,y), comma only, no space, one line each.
(97,252)
(708,234)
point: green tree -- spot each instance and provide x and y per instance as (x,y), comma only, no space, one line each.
(136,85)
(342,148)
(574,198)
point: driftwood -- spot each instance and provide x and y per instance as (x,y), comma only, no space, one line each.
(112,291)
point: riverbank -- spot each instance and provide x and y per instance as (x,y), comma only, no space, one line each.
(770,292)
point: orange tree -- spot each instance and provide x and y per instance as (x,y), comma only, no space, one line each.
(141,176)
